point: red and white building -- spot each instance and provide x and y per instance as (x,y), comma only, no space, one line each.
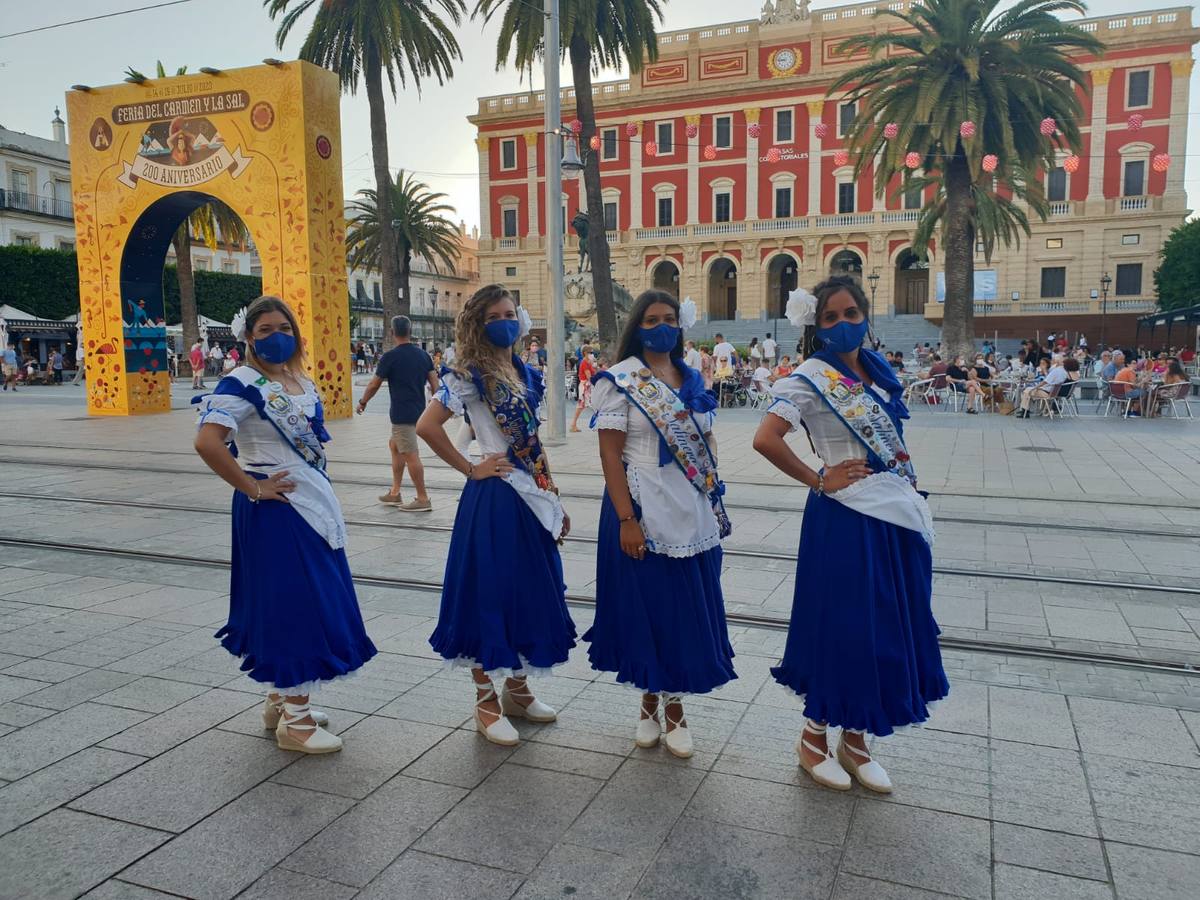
(749,190)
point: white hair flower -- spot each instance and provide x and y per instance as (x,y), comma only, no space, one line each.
(687,313)
(525,320)
(238,325)
(801,308)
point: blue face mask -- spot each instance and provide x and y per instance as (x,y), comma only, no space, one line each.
(661,338)
(275,348)
(844,337)
(503,332)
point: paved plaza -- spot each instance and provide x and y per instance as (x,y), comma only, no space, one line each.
(1065,763)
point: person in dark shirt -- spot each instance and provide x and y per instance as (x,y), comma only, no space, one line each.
(407,369)
(960,382)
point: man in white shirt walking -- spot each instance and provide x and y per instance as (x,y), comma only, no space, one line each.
(692,355)
(770,349)
(216,357)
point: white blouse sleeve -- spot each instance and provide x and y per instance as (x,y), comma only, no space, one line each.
(455,392)
(225,410)
(791,400)
(610,405)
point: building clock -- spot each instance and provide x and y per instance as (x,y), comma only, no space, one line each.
(784,61)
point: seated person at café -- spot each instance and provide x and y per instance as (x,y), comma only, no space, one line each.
(1101,363)
(1128,375)
(784,369)
(897,360)
(961,383)
(1046,387)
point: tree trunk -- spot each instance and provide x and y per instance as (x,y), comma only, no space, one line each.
(393,304)
(958,322)
(182,243)
(404,281)
(606,310)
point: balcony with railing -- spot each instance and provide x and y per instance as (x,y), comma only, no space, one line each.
(36,204)
(1051,306)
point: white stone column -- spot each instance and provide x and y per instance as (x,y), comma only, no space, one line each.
(1099,126)
(814,158)
(693,164)
(531,161)
(1181,71)
(635,179)
(485,192)
(752,117)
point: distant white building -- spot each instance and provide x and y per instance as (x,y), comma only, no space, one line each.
(35,190)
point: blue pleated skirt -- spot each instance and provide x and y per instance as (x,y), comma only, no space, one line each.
(660,621)
(503,598)
(293,614)
(862,648)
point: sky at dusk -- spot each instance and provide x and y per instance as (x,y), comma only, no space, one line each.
(427,131)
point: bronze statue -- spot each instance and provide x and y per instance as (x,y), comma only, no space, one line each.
(580,224)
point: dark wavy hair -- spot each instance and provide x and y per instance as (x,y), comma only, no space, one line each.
(631,339)
(823,292)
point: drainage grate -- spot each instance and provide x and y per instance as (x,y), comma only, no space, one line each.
(1040,449)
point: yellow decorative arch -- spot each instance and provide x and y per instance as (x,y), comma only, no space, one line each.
(264,140)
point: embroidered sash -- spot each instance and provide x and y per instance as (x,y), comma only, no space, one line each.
(518,423)
(862,413)
(679,430)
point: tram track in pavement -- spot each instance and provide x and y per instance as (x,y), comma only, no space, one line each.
(749,620)
(745,553)
(793,509)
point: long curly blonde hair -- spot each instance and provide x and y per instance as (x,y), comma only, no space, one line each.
(473,350)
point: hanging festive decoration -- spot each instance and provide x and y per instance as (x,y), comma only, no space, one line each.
(912,160)
(594,143)
(1161,162)
(576,126)
(966,130)
(1136,121)
(692,130)
(651,148)
(710,152)
(754,130)
(1071,164)
(773,155)
(1048,127)
(632,129)
(841,158)
(890,130)
(821,130)
(990,162)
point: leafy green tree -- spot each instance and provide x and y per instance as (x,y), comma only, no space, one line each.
(418,224)
(1177,279)
(213,224)
(595,34)
(404,39)
(956,61)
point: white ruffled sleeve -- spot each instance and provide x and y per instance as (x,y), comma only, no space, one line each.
(225,410)
(611,407)
(790,398)
(455,392)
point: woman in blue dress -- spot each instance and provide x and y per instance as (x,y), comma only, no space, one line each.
(862,650)
(503,609)
(293,613)
(660,614)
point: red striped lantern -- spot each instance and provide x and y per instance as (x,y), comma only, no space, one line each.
(710,152)
(651,148)
(912,159)
(841,158)
(821,130)
(1136,121)
(754,130)
(890,130)
(966,130)
(594,143)
(1071,164)
(990,162)
(632,129)
(1048,127)
(692,130)
(773,155)
(1161,162)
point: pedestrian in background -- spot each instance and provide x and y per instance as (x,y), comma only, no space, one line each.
(9,366)
(56,365)
(80,357)
(196,361)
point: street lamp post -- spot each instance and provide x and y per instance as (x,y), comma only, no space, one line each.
(433,298)
(1105,281)
(874,279)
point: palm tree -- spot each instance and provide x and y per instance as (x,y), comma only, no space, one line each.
(417,223)
(213,224)
(595,34)
(402,38)
(957,61)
